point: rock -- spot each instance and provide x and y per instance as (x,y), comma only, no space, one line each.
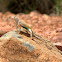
(58,45)
(3,60)
(2,32)
(57,38)
(20,48)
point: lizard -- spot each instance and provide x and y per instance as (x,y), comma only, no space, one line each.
(20,23)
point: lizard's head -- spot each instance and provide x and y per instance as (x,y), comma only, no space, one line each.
(13,18)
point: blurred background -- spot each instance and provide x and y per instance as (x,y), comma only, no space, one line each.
(25,6)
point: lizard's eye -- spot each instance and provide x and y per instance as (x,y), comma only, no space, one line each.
(19,22)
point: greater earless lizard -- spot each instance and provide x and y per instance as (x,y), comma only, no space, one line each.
(20,23)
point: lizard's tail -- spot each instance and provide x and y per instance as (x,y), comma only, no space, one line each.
(37,36)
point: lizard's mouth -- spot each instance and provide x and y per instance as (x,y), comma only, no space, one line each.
(10,19)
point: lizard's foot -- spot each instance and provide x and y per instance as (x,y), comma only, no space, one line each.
(18,31)
(32,39)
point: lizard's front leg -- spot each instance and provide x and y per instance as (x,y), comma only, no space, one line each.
(18,29)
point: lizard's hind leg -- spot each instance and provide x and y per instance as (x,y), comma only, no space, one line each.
(31,33)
